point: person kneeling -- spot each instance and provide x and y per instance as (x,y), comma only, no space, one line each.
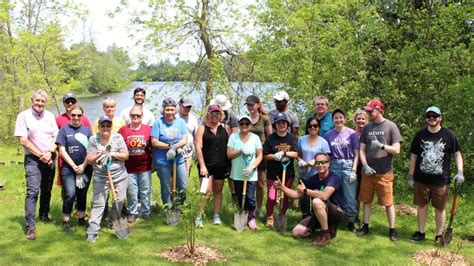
(328,202)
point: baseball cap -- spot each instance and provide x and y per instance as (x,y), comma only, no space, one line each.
(281,95)
(252,99)
(186,102)
(245,117)
(281,117)
(221,100)
(213,108)
(168,101)
(69,95)
(373,104)
(433,109)
(104,118)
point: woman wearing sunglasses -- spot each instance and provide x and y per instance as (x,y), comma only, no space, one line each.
(244,149)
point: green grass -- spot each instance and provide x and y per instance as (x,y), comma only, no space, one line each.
(149,238)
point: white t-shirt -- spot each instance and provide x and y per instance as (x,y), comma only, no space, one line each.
(147,119)
(192,125)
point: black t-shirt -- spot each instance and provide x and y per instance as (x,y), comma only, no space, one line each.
(434,152)
(274,144)
(333,180)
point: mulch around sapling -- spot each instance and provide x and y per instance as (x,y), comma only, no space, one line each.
(438,257)
(202,255)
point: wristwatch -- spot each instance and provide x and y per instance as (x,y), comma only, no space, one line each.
(383,147)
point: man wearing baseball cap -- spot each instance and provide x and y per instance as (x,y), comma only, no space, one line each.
(69,102)
(184,112)
(429,170)
(281,106)
(379,142)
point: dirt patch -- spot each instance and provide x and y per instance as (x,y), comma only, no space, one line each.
(406,209)
(438,257)
(202,255)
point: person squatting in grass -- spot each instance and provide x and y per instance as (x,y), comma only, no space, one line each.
(245,143)
(429,170)
(72,141)
(211,151)
(327,199)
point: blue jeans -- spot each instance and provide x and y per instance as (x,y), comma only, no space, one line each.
(139,187)
(70,192)
(165,172)
(249,204)
(343,168)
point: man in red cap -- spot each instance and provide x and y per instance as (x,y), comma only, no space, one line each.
(379,142)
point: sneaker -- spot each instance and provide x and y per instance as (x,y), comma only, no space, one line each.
(270,222)
(45,219)
(217,219)
(110,224)
(198,222)
(132,218)
(92,238)
(31,233)
(82,222)
(67,227)
(364,230)
(438,239)
(252,224)
(351,227)
(322,239)
(393,234)
(259,214)
(417,236)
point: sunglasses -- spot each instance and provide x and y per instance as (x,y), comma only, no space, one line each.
(244,124)
(70,101)
(76,115)
(313,126)
(135,115)
(429,116)
(320,162)
(106,126)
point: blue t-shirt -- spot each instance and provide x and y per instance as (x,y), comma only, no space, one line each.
(325,124)
(169,134)
(75,140)
(308,153)
(333,180)
(342,143)
(238,164)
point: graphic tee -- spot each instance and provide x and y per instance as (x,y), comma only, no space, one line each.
(274,144)
(169,134)
(333,180)
(138,142)
(75,141)
(342,143)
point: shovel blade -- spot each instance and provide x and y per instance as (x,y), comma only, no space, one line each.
(240,220)
(446,237)
(121,228)
(172,217)
(280,223)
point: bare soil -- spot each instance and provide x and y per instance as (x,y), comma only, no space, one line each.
(202,255)
(438,257)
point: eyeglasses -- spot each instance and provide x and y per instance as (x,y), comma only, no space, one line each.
(313,126)
(244,124)
(320,162)
(76,115)
(70,101)
(135,115)
(429,116)
(105,126)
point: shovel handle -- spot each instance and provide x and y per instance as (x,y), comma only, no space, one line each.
(112,188)
(455,202)
(244,192)
(283,180)
(173,179)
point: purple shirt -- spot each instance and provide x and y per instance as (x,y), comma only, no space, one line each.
(41,130)
(342,143)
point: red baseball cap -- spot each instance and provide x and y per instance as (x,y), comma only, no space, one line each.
(373,104)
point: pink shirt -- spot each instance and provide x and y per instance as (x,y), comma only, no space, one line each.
(41,130)
(63,119)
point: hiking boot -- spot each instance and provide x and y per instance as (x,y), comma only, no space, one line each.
(67,227)
(259,214)
(82,222)
(393,234)
(332,230)
(132,218)
(31,233)
(92,238)
(216,220)
(45,219)
(351,227)
(417,236)
(198,222)
(270,222)
(364,230)
(252,224)
(322,239)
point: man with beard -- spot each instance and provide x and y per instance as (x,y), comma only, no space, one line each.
(139,99)
(429,170)
(281,106)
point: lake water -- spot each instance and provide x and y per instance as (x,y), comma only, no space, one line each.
(157,91)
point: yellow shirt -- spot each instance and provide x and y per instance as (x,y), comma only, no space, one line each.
(117,123)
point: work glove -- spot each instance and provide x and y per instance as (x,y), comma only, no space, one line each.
(459,177)
(352,177)
(369,170)
(375,145)
(248,171)
(278,156)
(410,181)
(81,181)
(301,163)
(104,160)
(247,151)
(171,153)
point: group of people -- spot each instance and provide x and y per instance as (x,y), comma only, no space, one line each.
(337,167)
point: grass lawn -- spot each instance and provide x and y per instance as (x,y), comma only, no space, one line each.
(149,238)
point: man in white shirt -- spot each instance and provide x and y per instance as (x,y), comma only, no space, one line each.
(139,99)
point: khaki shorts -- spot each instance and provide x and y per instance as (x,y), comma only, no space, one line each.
(382,183)
(438,195)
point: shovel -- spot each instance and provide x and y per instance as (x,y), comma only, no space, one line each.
(241,216)
(448,232)
(280,222)
(172,215)
(119,223)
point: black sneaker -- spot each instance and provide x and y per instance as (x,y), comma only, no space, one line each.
(364,230)
(438,239)
(393,234)
(83,222)
(351,227)
(417,236)
(67,226)
(45,219)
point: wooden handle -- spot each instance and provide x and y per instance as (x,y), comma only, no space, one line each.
(112,188)
(173,180)
(244,191)
(283,180)
(455,202)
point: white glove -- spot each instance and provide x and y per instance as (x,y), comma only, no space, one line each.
(171,153)
(278,156)
(301,163)
(81,181)
(459,177)
(368,170)
(248,171)
(352,177)
(247,151)
(179,151)
(375,145)
(410,181)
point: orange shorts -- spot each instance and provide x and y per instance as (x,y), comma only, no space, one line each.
(382,183)
(438,195)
